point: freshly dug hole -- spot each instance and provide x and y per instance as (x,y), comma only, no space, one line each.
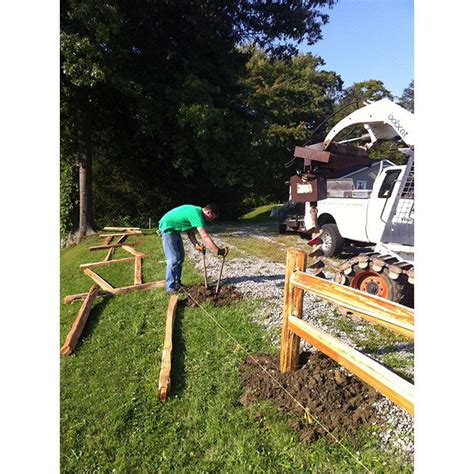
(199,294)
(339,401)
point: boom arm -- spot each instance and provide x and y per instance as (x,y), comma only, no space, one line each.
(382,119)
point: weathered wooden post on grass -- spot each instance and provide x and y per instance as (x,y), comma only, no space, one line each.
(292,306)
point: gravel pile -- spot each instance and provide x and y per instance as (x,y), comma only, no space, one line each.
(260,279)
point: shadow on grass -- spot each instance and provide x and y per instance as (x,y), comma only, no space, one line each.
(178,379)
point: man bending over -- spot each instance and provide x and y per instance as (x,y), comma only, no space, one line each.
(185,218)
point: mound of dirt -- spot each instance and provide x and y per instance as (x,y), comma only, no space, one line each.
(338,400)
(198,294)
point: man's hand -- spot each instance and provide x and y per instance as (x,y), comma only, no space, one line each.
(200,248)
(223,251)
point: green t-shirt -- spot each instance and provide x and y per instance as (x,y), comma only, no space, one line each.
(182,219)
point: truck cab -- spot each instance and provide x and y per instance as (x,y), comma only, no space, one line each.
(356,216)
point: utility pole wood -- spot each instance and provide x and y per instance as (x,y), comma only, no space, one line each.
(164,383)
(292,305)
(76,330)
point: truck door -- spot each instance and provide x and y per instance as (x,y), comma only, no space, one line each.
(381,201)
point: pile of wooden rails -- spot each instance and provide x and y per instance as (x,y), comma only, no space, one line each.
(374,309)
(102,288)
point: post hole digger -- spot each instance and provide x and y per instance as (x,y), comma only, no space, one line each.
(224,253)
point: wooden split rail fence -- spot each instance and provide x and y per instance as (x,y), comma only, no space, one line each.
(372,308)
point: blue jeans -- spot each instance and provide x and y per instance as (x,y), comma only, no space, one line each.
(174,253)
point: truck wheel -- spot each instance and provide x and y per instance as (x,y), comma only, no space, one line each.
(332,240)
(281,228)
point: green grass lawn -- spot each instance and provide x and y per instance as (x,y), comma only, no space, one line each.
(111,419)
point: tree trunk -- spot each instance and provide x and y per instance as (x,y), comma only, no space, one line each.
(84,159)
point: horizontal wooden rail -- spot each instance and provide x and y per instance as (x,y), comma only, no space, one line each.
(80,296)
(106,262)
(114,246)
(135,232)
(133,251)
(105,285)
(144,286)
(122,228)
(386,382)
(117,291)
(378,310)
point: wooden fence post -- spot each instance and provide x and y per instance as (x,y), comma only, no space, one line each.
(292,306)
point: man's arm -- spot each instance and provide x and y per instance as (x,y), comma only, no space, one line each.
(192,237)
(207,240)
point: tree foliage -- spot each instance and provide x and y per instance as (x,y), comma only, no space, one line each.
(154,98)
(287,99)
(407,99)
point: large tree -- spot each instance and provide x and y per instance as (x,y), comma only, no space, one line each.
(287,99)
(152,90)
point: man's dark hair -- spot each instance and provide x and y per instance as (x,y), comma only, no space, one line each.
(213,208)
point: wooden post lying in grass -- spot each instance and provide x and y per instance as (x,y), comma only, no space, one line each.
(135,232)
(138,271)
(292,305)
(111,251)
(76,330)
(164,383)
(105,285)
(117,291)
(114,246)
(104,263)
(122,228)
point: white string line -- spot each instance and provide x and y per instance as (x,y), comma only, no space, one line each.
(306,410)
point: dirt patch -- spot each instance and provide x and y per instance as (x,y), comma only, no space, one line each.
(199,294)
(340,401)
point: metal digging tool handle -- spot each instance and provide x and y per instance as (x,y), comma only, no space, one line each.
(220,275)
(205,269)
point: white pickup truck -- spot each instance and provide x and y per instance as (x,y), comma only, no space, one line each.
(359,217)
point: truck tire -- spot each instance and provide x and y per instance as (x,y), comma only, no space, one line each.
(281,228)
(333,242)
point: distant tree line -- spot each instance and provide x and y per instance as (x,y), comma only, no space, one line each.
(171,102)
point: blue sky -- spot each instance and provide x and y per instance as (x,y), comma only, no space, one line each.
(369,39)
